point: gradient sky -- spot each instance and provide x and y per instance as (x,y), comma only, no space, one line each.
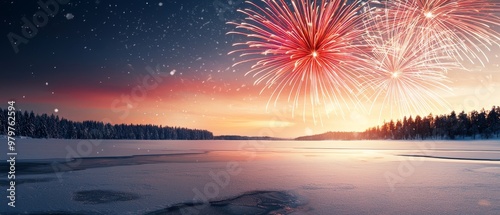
(91,56)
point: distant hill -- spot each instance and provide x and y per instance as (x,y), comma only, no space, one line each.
(333,136)
(237,137)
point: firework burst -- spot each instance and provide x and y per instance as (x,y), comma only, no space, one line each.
(408,77)
(307,51)
(466,27)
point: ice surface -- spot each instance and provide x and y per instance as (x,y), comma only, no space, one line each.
(233,177)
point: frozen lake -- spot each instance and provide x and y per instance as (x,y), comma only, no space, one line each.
(254,177)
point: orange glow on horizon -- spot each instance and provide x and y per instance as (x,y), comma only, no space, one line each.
(238,107)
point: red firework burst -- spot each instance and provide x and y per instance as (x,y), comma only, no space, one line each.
(308,50)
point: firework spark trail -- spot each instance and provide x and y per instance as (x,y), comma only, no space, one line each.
(466,27)
(409,77)
(308,50)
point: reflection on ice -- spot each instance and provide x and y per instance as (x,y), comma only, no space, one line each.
(451,158)
(325,177)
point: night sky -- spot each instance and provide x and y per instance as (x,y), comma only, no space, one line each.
(91,55)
